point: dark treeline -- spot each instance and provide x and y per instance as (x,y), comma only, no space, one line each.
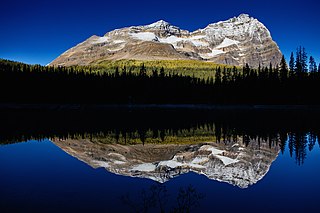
(298,84)
(297,131)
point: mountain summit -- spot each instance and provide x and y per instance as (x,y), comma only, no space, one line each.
(161,24)
(236,41)
(232,163)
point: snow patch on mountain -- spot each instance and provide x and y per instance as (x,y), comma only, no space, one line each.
(227,42)
(118,41)
(174,40)
(212,54)
(102,164)
(144,36)
(101,40)
(213,150)
(200,160)
(226,160)
(145,167)
(158,24)
(170,163)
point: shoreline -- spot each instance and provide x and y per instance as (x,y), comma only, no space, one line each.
(10,106)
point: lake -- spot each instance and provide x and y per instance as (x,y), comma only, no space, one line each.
(153,160)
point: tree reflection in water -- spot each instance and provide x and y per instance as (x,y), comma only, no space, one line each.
(297,130)
(156,198)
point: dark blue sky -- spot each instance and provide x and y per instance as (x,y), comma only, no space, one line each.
(37,31)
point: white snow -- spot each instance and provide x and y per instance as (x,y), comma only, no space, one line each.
(101,163)
(237,27)
(170,163)
(200,160)
(174,40)
(197,166)
(226,160)
(217,153)
(158,24)
(213,150)
(214,53)
(227,42)
(197,42)
(118,41)
(198,37)
(118,162)
(145,167)
(144,36)
(101,40)
(174,164)
(171,39)
(107,164)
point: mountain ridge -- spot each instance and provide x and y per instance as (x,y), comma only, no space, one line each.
(236,41)
(232,163)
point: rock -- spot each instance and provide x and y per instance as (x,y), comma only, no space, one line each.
(233,163)
(237,41)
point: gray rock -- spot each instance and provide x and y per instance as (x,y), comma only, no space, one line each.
(237,41)
(231,162)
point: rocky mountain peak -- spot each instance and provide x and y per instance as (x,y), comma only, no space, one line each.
(244,17)
(236,41)
(161,24)
(163,28)
(233,163)
(241,28)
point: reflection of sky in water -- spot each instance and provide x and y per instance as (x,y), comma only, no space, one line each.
(38,175)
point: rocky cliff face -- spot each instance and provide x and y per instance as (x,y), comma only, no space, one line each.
(233,163)
(237,41)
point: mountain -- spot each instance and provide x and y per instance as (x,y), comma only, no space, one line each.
(237,41)
(232,163)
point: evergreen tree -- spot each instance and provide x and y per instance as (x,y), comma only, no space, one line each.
(143,70)
(124,71)
(283,69)
(218,76)
(246,70)
(291,62)
(224,76)
(301,60)
(235,73)
(116,73)
(155,73)
(162,74)
(312,65)
(298,65)
(304,60)
(271,71)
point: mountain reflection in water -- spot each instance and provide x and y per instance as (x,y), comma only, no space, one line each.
(231,162)
(300,129)
(178,158)
(237,147)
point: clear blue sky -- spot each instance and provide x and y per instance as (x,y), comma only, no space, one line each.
(37,31)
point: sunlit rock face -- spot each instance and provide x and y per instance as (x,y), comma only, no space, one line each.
(236,41)
(233,163)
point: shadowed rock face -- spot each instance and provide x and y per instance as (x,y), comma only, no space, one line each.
(237,41)
(233,163)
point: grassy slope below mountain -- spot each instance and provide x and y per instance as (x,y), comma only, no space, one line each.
(200,69)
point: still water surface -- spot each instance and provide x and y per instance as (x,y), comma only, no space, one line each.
(157,161)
